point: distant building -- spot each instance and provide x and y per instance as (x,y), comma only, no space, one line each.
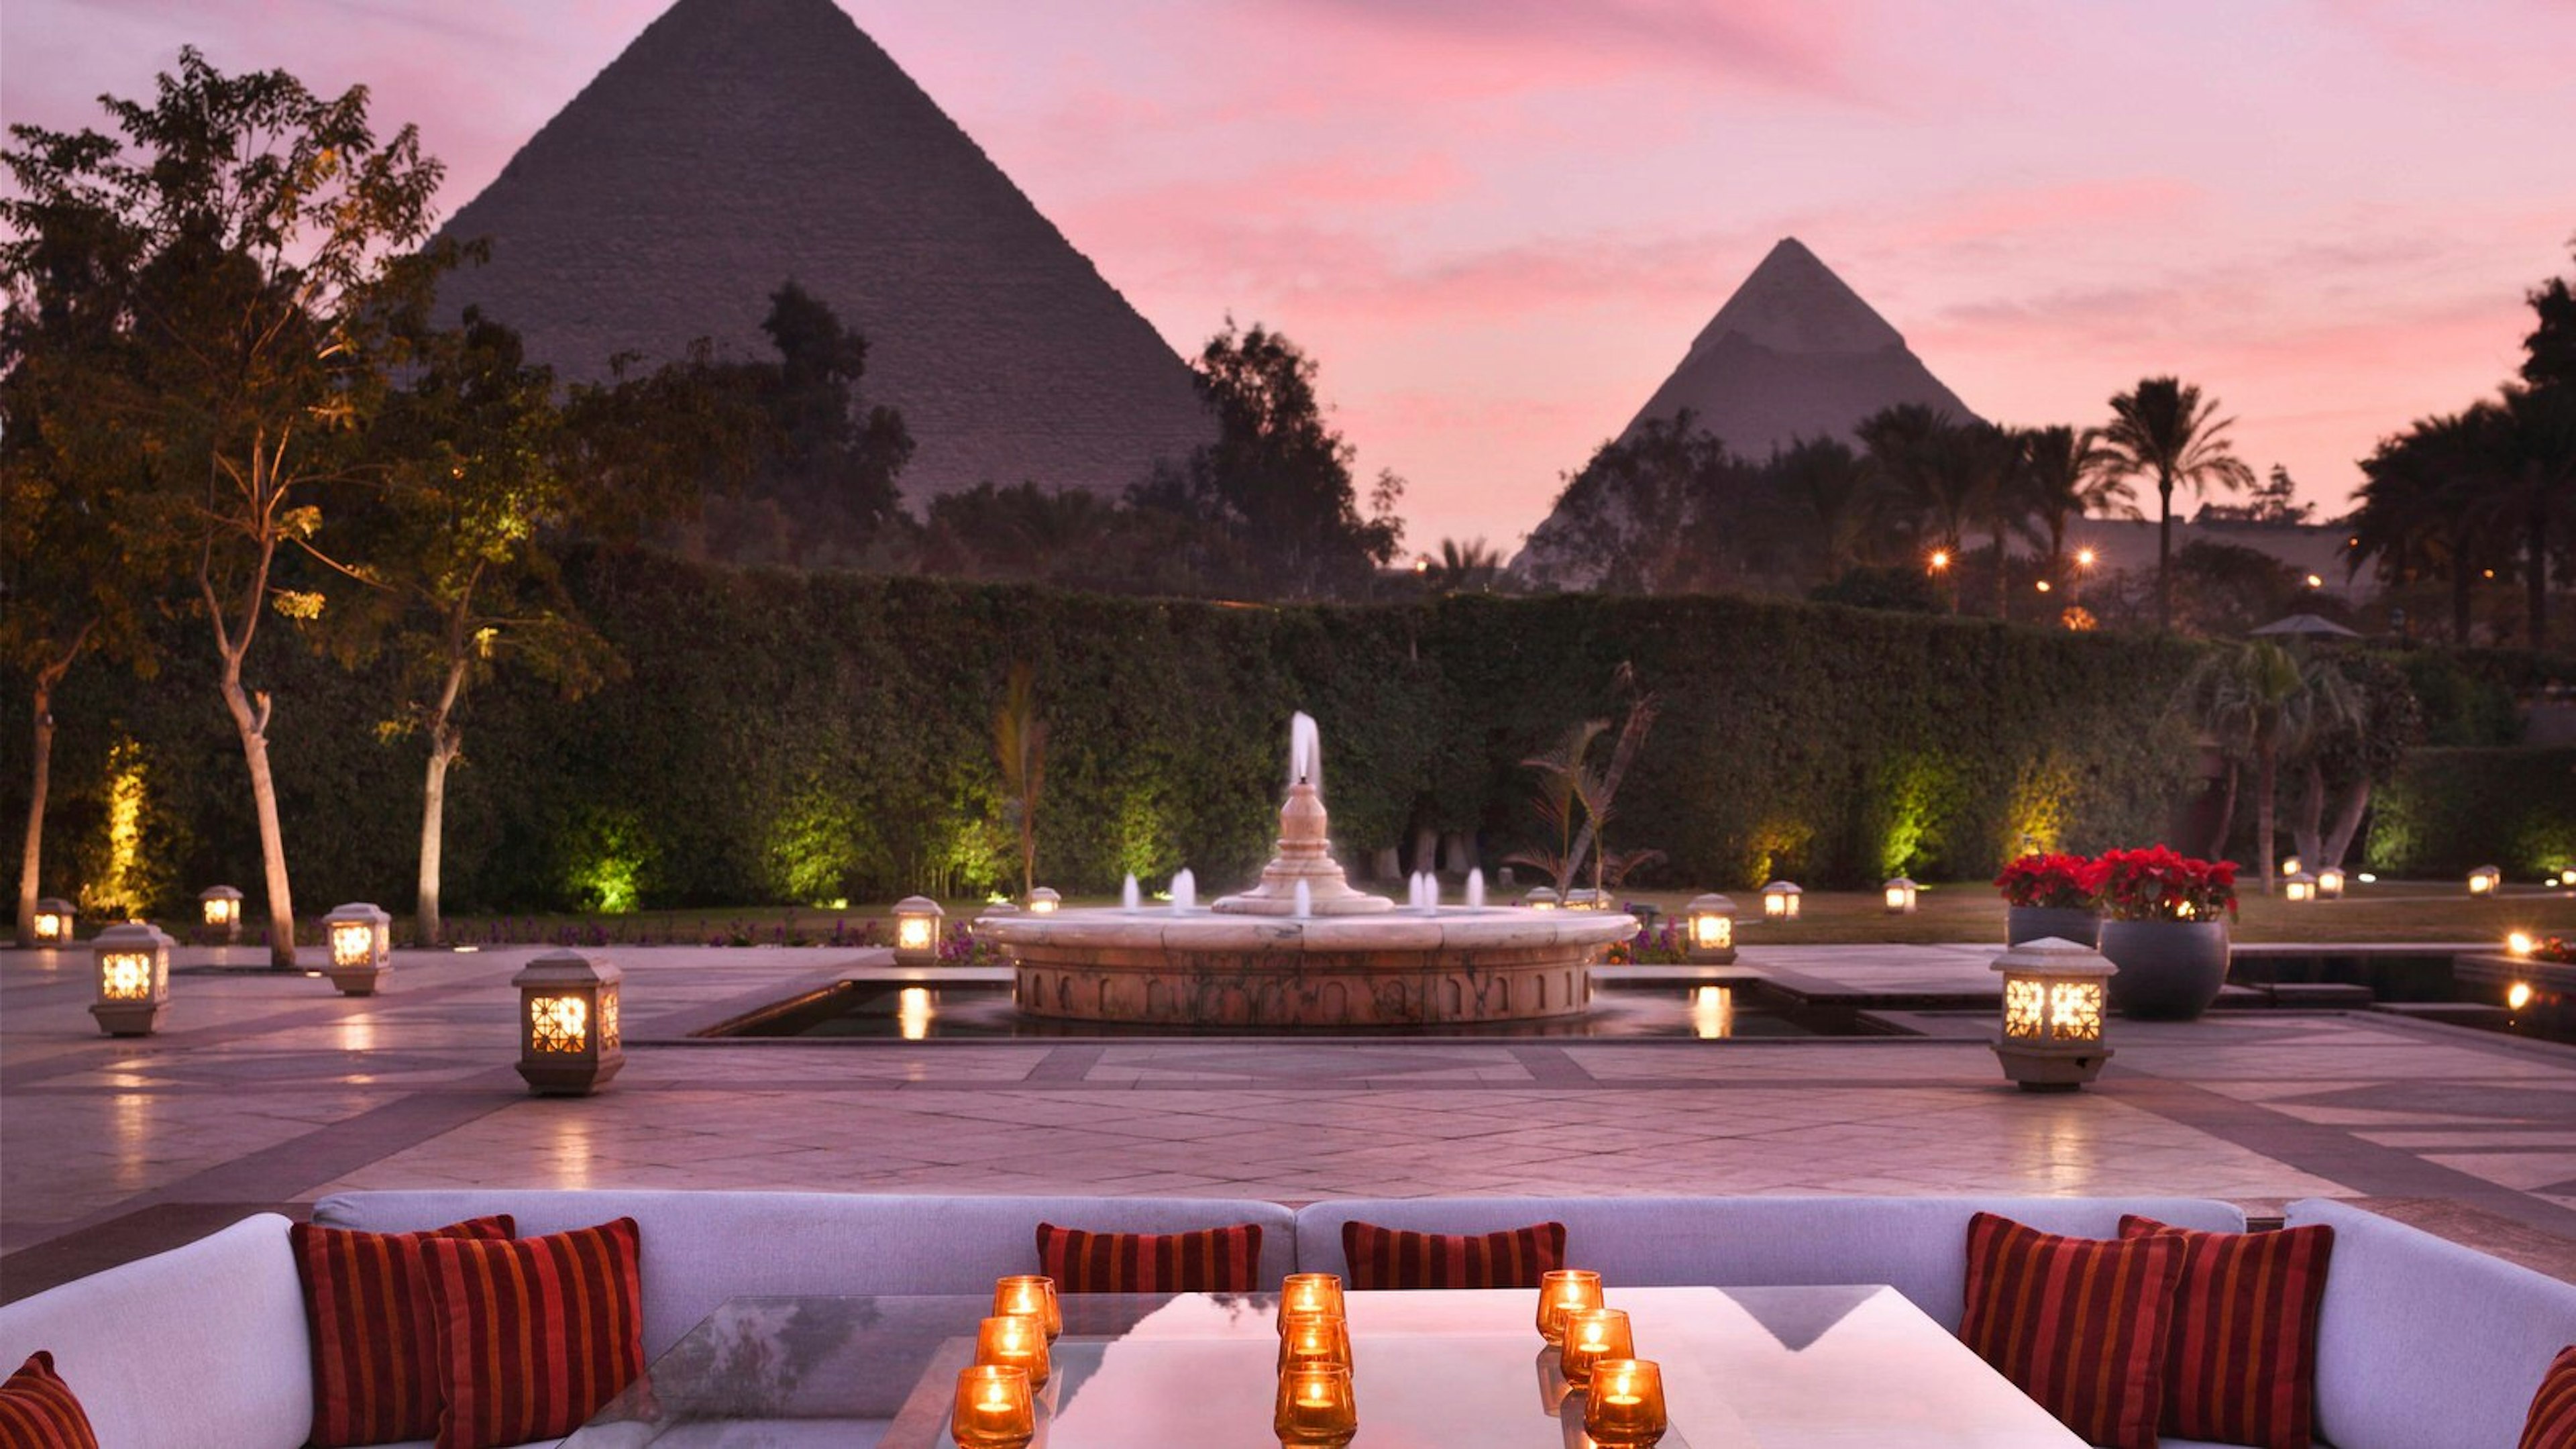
(2322,551)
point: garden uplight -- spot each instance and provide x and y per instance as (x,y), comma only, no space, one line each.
(1780,901)
(2330,883)
(1900,894)
(2301,887)
(55,921)
(916,930)
(1712,929)
(222,908)
(2054,1009)
(2484,880)
(2567,877)
(2519,943)
(133,978)
(361,939)
(569,1042)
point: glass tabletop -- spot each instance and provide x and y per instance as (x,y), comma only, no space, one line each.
(1779,1368)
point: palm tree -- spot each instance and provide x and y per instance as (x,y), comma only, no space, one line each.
(2165,428)
(1838,492)
(1945,473)
(2539,475)
(1464,568)
(2252,690)
(1019,748)
(2428,498)
(2069,474)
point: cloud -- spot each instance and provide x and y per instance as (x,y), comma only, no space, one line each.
(1784,44)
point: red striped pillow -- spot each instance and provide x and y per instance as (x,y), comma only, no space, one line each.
(37,1410)
(2242,1367)
(534,1334)
(1210,1260)
(1394,1258)
(375,1340)
(2552,1424)
(2079,1324)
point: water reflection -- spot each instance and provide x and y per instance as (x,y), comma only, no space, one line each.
(1712,1012)
(912,1012)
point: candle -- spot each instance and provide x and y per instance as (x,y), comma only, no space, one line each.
(994,1408)
(1316,1410)
(1033,1295)
(1313,1338)
(1592,1335)
(1626,1406)
(1560,1291)
(1015,1340)
(1310,1293)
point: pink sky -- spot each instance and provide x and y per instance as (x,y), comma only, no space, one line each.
(1498,223)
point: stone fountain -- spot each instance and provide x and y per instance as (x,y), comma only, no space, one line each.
(1304,948)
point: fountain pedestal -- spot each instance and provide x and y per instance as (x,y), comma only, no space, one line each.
(1305,855)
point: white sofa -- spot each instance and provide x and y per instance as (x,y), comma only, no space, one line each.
(2422,1344)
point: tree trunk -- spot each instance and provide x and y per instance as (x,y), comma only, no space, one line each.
(446,742)
(2347,822)
(2310,833)
(252,722)
(2536,573)
(2226,813)
(2266,772)
(31,860)
(2164,564)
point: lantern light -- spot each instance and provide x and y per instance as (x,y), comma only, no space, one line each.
(222,907)
(2517,996)
(2292,865)
(2519,943)
(1540,898)
(361,937)
(2485,880)
(133,978)
(2330,883)
(1712,929)
(1044,901)
(916,931)
(2300,888)
(56,922)
(1900,894)
(2567,877)
(570,1044)
(1585,900)
(2054,1009)
(1780,901)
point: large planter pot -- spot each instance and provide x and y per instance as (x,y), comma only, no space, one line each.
(2169,970)
(2066,923)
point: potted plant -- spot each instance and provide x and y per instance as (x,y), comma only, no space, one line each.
(2049,895)
(2165,927)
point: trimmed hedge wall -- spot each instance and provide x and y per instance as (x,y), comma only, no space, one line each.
(805,737)
(2452,810)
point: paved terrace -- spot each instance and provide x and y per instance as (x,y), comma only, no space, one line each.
(269,1090)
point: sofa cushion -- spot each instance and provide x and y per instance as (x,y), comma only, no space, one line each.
(1205,1260)
(2424,1344)
(701,1248)
(2241,1367)
(1399,1258)
(1908,1243)
(2551,1424)
(39,1411)
(375,1339)
(2079,1324)
(201,1347)
(534,1334)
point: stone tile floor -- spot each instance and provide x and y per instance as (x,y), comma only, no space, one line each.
(270,1090)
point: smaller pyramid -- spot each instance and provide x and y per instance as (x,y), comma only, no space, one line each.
(1795,353)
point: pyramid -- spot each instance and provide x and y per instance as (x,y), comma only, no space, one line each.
(1795,353)
(737,144)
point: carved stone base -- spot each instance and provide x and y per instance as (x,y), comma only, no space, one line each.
(1294,988)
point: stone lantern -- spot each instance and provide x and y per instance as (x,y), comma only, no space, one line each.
(1540,898)
(1780,901)
(1585,899)
(1900,894)
(55,921)
(2300,888)
(222,908)
(569,1043)
(133,978)
(1044,901)
(361,938)
(2484,880)
(1712,929)
(2054,1010)
(916,931)
(2330,883)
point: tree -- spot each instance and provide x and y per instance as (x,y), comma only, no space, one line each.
(463,546)
(274,236)
(2274,501)
(2068,475)
(2165,429)
(2428,500)
(1646,507)
(2260,702)
(2534,442)
(1473,567)
(1837,494)
(2550,350)
(1278,476)
(1019,747)
(1951,477)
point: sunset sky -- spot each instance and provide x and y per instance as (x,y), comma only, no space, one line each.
(1498,223)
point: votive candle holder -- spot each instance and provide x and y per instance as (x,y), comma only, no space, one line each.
(1032,1294)
(1306,1338)
(1624,1407)
(1592,1335)
(1316,1409)
(1015,1340)
(1310,1293)
(995,1408)
(1561,1291)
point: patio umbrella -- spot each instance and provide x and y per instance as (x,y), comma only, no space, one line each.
(2309,625)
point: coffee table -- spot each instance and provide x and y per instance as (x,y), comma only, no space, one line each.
(1777,1368)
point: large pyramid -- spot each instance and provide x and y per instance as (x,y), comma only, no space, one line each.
(740,143)
(1793,354)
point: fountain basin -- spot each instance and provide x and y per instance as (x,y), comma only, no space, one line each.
(1390,968)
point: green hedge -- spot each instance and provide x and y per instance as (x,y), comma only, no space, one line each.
(787,737)
(2453,810)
